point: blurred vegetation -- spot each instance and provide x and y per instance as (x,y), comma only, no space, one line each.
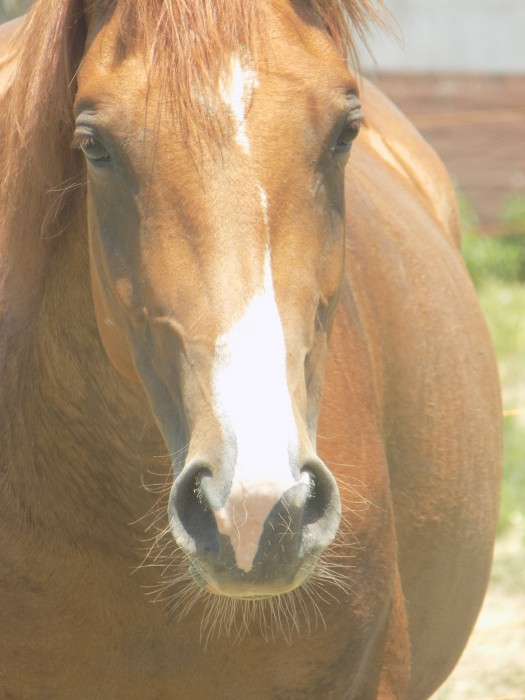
(500,257)
(497,267)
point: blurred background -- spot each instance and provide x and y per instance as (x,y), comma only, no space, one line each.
(9,9)
(457,70)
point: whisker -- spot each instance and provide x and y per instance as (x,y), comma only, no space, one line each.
(286,616)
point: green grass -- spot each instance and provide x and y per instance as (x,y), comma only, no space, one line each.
(497,267)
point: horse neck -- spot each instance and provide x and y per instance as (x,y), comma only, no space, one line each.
(77,438)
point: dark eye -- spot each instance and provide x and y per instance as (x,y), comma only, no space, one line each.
(348,134)
(92,149)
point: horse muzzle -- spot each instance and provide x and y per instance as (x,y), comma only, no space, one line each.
(258,539)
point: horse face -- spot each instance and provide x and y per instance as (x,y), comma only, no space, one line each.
(216,261)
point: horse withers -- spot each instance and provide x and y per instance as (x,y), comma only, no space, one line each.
(250,428)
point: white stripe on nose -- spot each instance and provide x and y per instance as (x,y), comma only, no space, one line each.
(253,404)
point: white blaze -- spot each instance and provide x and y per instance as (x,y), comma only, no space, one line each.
(254,406)
(236,89)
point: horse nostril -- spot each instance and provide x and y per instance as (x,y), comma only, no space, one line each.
(191,517)
(322,509)
(315,504)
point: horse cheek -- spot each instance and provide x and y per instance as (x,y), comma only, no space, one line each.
(113,338)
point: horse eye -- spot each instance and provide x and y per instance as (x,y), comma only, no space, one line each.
(92,149)
(348,134)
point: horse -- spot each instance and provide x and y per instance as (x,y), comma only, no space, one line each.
(250,434)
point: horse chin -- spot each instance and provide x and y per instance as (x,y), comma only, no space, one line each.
(249,589)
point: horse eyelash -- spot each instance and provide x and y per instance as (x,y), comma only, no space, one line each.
(80,141)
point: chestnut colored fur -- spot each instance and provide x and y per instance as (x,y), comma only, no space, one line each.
(410,415)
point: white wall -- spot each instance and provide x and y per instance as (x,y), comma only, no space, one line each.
(453,35)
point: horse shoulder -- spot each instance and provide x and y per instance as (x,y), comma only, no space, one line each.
(396,141)
(433,374)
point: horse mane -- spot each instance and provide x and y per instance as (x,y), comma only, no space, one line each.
(41,174)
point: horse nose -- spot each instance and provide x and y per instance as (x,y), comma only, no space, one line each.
(321,514)
(192,522)
(253,531)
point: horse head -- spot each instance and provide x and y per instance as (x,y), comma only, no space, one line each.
(216,233)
